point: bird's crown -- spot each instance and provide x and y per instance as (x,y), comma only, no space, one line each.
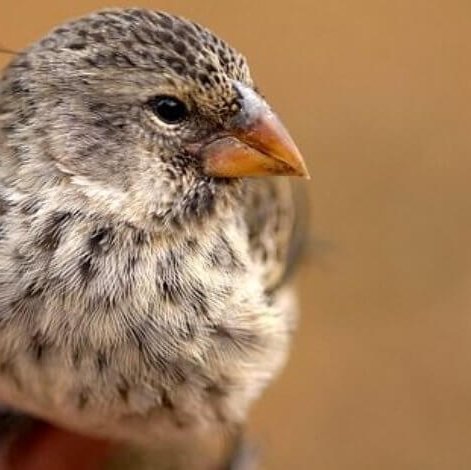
(120,40)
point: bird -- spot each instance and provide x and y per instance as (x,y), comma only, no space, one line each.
(148,228)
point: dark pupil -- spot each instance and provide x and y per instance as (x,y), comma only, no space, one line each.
(168,109)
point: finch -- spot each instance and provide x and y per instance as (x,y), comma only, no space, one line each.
(146,232)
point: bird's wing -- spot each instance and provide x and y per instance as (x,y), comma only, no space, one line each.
(276,217)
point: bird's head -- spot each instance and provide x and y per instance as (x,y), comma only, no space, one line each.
(142,110)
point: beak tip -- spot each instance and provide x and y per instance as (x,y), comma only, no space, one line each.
(299,167)
(306,175)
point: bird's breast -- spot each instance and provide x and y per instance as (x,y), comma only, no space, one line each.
(102,325)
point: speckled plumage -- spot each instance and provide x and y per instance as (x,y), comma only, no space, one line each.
(140,299)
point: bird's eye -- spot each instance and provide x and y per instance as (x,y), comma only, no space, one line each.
(168,109)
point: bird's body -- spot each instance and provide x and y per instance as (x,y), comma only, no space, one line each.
(140,294)
(82,343)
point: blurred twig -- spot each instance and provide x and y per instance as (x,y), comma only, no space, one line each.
(5,50)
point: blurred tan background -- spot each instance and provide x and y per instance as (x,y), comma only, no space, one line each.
(378,95)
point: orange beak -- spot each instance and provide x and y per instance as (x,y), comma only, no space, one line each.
(255,143)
